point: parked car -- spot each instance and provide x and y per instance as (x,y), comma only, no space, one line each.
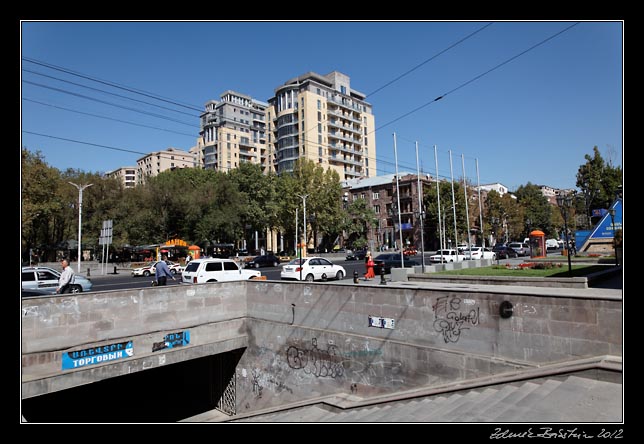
(446,255)
(521,248)
(357,255)
(480,253)
(504,251)
(199,271)
(312,269)
(45,278)
(389,261)
(150,269)
(267,260)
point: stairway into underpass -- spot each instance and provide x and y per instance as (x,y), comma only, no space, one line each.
(564,398)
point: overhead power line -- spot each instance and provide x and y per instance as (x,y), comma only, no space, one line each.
(429,59)
(112,84)
(462,85)
(160,116)
(107,118)
(110,93)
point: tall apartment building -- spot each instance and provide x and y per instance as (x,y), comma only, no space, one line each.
(319,117)
(233,131)
(127,176)
(154,163)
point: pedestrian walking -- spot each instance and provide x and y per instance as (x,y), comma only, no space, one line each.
(162,272)
(66,278)
(369,264)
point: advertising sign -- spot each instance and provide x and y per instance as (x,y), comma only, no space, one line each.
(97,355)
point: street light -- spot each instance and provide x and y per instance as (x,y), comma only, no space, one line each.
(306,241)
(612,219)
(80,208)
(564,203)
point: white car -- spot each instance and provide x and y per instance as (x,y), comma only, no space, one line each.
(480,253)
(446,255)
(151,269)
(199,271)
(312,269)
(46,279)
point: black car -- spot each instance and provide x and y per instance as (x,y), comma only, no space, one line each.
(357,255)
(504,251)
(267,260)
(389,261)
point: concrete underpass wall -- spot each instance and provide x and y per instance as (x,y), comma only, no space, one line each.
(303,340)
(137,330)
(307,340)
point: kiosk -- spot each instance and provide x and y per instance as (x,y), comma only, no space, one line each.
(195,251)
(537,244)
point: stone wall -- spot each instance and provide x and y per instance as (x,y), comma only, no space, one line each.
(303,340)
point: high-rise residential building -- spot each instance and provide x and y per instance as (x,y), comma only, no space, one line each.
(127,176)
(319,117)
(233,131)
(154,163)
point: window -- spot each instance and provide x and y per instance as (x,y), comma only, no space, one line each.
(375,196)
(319,116)
(213,266)
(319,104)
(319,128)
(343,89)
(362,196)
(376,209)
(230,266)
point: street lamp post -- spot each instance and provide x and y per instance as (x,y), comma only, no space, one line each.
(306,241)
(304,196)
(564,203)
(80,209)
(612,220)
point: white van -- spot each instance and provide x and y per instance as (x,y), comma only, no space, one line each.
(552,244)
(199,271)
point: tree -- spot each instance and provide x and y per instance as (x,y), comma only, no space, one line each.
(258,194)
(40,204)
(598,183)
(533,207)
(323,201)
(359,219)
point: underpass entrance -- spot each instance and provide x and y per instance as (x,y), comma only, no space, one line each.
(164,394)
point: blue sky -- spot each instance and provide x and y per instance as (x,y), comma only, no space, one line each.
(531,119)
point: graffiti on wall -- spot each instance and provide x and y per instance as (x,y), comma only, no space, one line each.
(315,361)
(453,316)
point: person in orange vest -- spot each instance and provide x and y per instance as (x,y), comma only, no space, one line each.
(370,264)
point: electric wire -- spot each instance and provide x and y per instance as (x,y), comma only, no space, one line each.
(109,83)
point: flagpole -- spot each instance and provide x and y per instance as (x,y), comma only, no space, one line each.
(438,195)
(421,213)
(478,182)
(402,261)
(451,170)
(467,211)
